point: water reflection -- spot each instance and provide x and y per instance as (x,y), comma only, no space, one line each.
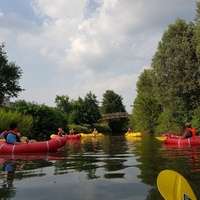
(22,166)
(186,161)
(91,154)
(190,153)
(96,168)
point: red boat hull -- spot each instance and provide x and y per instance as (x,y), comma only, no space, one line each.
(192,141)
(43,146)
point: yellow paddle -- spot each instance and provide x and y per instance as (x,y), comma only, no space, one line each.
(161,138)
(174,186)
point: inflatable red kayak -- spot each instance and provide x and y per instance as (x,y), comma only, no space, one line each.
(43,146)
(182,142)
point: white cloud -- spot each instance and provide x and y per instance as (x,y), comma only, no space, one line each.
(91,45)
(59,9)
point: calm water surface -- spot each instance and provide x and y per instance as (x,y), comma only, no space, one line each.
(110,168)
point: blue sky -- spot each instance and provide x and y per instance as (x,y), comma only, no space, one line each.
(73,47)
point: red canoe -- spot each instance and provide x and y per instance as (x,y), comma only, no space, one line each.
(43,146)
(183,142)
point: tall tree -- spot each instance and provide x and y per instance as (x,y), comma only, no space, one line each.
(10,74)
(197,32)
(176,69)
(91,108)
(146,109)
(87,109)
(63,103)
(112,103)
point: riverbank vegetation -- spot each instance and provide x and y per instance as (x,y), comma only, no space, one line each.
(83,115)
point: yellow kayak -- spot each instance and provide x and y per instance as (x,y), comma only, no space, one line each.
(92,135)
(138,134)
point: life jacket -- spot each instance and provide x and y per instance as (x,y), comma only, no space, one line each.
(60,133)
(14,133)
(193,131)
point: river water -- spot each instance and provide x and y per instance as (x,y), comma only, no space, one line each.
(109,168)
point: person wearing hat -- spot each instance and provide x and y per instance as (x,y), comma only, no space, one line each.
(189,131)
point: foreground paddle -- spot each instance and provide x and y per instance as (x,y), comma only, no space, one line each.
(174,186)
(161,138)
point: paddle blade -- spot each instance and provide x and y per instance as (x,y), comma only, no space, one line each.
(174,186)
(161,138)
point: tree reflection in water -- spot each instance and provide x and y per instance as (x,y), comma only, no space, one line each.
(110,168)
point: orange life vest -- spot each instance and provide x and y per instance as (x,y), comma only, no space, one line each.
(60,133)
(193,131)
(18,136)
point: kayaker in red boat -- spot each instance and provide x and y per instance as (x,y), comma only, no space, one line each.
(14,137)
(61,132)
(189,131)
(72,132)
(2,135)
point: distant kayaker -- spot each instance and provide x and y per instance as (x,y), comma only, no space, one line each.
(13,136)
(61,132)
(72,132)
(2,135)
(189,131)
(95,132)
(129,130)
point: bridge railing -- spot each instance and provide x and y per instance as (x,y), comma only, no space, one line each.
(114,115)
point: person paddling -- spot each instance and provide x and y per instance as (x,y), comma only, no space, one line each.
(72,132)
(129,130)
(13,136)
(189,131)
(61,132)
(95,132)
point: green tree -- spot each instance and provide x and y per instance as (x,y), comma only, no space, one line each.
(25,122)
(63,103)
(146,109)
(46,119)
(197,32)
(176,70)
(86,111)
(10,74)
(113,103)
(90,109)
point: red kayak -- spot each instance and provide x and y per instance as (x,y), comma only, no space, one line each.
(183,142)
(43,146)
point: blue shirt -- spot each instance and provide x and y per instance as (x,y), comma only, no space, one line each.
(11,138)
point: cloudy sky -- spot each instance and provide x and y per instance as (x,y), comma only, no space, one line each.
(72,47)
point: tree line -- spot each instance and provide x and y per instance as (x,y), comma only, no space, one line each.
(168,94)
